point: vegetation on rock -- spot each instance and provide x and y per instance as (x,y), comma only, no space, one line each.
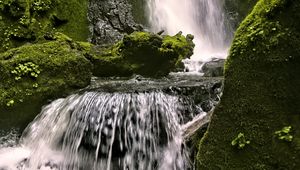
(261,93)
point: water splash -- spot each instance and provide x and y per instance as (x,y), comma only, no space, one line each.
(103,131)
(204,19)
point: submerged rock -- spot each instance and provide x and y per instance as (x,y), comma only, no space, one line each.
(143,53)
(33,74)
(257,123)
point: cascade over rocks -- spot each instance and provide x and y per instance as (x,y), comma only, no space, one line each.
(259,109)
(39,72)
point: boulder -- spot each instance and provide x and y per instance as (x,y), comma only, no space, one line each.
(257,123)
(214,68)
(33,74)
(143,53)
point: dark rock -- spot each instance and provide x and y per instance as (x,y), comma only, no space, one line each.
(214,68)
(110,20)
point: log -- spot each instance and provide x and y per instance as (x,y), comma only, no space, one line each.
(191,127)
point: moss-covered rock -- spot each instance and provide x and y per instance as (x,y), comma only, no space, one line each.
(261,94)
(33,74)
(24,21)
(143,53)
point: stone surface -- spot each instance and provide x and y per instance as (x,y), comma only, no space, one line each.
(110,20)
(214,68)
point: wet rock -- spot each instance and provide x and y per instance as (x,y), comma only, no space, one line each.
(214,68)
(110,20)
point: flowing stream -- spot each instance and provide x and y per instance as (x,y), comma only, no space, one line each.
(103,131)
(205,19)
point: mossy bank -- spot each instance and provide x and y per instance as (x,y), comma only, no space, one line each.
(257,124)
(33,74)
(24,21)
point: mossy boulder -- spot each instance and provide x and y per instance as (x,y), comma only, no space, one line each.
(33,74)
(257,123)
(143,53)
(24,21)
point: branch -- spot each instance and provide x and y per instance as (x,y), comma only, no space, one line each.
(191,127)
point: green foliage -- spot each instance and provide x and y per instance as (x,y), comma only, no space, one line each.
(240,141)
(27,69)
(284,134)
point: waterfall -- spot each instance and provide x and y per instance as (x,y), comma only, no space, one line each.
(205,19)
(103,131)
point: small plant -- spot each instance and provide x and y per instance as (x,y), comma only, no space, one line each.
(41,5)
(10,103)
(27,69)
(240,141)
(284,134)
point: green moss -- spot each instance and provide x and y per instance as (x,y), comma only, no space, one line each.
(143,53)
(240,141)
(30,20)
(284,134)
(261,93)
(44,71)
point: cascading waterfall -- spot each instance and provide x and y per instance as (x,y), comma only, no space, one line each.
(204,19)
(103,131)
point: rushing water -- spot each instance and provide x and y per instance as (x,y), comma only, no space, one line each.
(102,131)
(205,19)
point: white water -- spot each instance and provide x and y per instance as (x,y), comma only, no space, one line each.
(102,131)
(204,19)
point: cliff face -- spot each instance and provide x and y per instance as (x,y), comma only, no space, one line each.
(110,20)
(257,124)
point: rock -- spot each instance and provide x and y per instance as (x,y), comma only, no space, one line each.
(261,95)
(214,68)
(143,53)
(110,20)
(33,74)
(28,21)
